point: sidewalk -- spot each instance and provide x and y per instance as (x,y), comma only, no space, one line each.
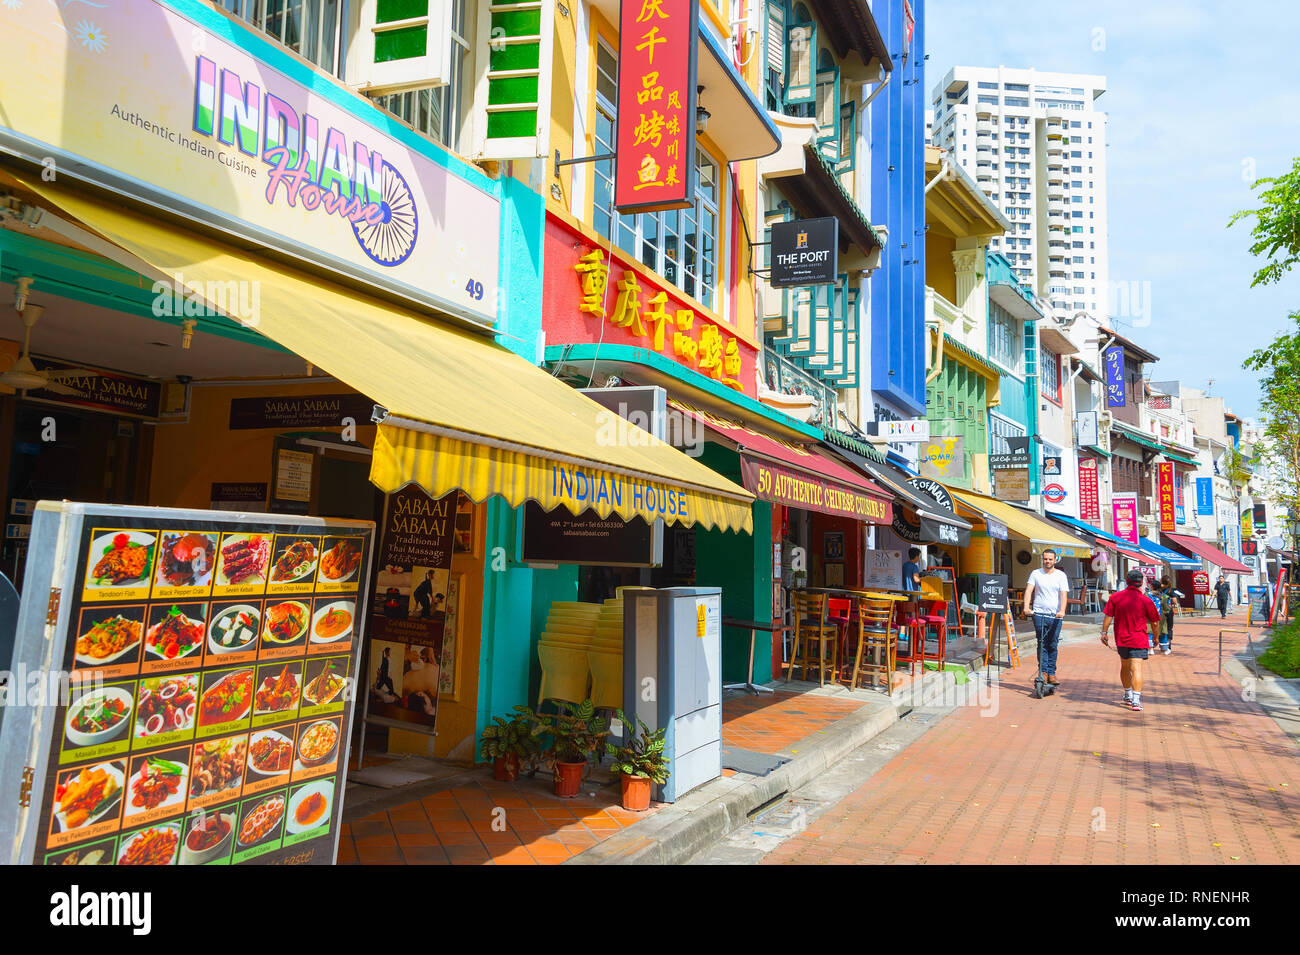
(460,820)
(1203,775)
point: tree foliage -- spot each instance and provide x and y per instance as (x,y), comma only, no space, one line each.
(1277,225)
(1279,366)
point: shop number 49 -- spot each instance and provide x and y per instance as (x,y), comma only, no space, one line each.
(475,289)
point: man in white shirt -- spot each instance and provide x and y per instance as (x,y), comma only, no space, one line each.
(1046,595)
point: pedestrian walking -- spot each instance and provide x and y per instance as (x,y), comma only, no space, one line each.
(1169,606)
(1045,596)
(1223,594)
(1134,617)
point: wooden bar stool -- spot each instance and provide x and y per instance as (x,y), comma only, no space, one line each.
(877,633)
(812,629)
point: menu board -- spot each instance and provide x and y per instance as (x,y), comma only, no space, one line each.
(212,673)
(883,568)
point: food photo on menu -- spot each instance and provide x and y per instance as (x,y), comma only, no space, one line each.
(333,620)
(157,781)
(244,559)
(295,559)
(175,632)
(270,751)
(278,689)
(261,821)
(155,845)
(309,806)
(209,836)
(326,681)
(284,623)
(318,744)
(99,716)
(109,636)
(227,697)
(166,705)
(234,628)
(122,558)
(95,853)
(217,766)
(340,557)
(87,796)
(185,559)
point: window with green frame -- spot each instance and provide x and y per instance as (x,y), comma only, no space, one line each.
(803,80)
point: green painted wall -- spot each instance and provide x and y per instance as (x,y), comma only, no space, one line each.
(741,564)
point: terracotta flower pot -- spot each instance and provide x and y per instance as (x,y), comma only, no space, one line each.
(568,778)
(505,769)
(636,793)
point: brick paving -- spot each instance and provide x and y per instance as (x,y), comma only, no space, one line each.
(1200,776)
(773,723)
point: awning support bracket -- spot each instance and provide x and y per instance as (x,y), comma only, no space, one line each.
(569,162)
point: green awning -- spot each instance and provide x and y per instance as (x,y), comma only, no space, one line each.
(853,444)
(1096,450)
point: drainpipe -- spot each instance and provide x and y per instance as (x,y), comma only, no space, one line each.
(943,174)
(876,92)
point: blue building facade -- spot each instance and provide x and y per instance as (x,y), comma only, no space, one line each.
(898,202)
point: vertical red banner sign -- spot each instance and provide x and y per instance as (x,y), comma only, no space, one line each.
(655,141)
(1089,505)
(1165,494)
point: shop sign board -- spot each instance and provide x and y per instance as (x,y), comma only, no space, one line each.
(805,252)
(1013,459)
(1200,582)
(412,601)
(992,593)
(300,411)
(1204,495)
(292,480)
(1089,503)
(204,128)
(1085,423)
(1115,391)
(1054,493)
(901,430)
(559,537)
(1250,547)
(200,698)
(247,496)
(1011,484)
(1125,517)
(1165,496)
(943,458)
(655,139)
(1260,514)
(883,568)
(1051,465)
(102,391)
(784,485)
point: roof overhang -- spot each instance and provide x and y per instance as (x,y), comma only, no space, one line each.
(954,205)
(1137,351)
(850,26)
(1055,340)
(1013,300)
(817,191)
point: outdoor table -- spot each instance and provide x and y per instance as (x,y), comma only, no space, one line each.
(753,626)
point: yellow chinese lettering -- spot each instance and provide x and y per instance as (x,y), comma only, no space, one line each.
(656,316)
(648,41)
(671,152)
(684,346)
(675,100)
(674,128)
(648,173)
(650,129)
(593,274)
(685,319)
(627,310)
(651,8)
(711,351)
(650,88)
(671,178)
(731,365)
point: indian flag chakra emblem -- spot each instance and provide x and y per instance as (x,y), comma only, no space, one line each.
(308,165)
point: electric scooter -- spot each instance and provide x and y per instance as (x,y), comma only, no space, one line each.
(1041,687)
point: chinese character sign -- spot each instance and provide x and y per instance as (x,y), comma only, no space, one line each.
(655,143)
(1089,506)
(1115,377)
(1165,493)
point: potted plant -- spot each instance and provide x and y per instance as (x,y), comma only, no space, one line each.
(641,762)
(576,733)
(508,742)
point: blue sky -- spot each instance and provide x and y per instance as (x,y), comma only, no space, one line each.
(1201,99)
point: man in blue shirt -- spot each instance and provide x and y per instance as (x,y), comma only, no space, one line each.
(912,570)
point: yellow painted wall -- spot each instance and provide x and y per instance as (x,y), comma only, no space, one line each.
(939,272)
(189,457)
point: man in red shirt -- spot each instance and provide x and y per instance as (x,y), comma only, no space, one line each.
(1133,616)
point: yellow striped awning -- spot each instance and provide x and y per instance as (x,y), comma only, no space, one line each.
(1022,523)
(464,412)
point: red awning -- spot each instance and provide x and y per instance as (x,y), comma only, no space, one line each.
(1207,551)
(794,474)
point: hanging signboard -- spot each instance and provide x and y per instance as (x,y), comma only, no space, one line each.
(1051,465)
(805,252)
(1125,517)
(1260,515)
(1204,495)
(1201,582)
(1089,503)
(1160,402)
(655,141)
(1165,496)
(300,411)
(1085,423)
(561,537)
(1011,484)
(1115,392)
(943,458)
(114,393)
(204,700)
(412,599)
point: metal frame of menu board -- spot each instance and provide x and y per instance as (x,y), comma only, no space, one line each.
(73,785)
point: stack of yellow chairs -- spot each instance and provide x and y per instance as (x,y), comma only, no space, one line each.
(563,650)
(605,656)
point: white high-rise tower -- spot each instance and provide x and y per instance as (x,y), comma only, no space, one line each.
(1036,144)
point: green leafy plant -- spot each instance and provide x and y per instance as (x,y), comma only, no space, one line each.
(576,732)
(513,735)
(643,755)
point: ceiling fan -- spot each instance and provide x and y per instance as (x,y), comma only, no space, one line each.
(25,376)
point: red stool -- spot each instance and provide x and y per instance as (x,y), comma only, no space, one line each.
(935,619)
